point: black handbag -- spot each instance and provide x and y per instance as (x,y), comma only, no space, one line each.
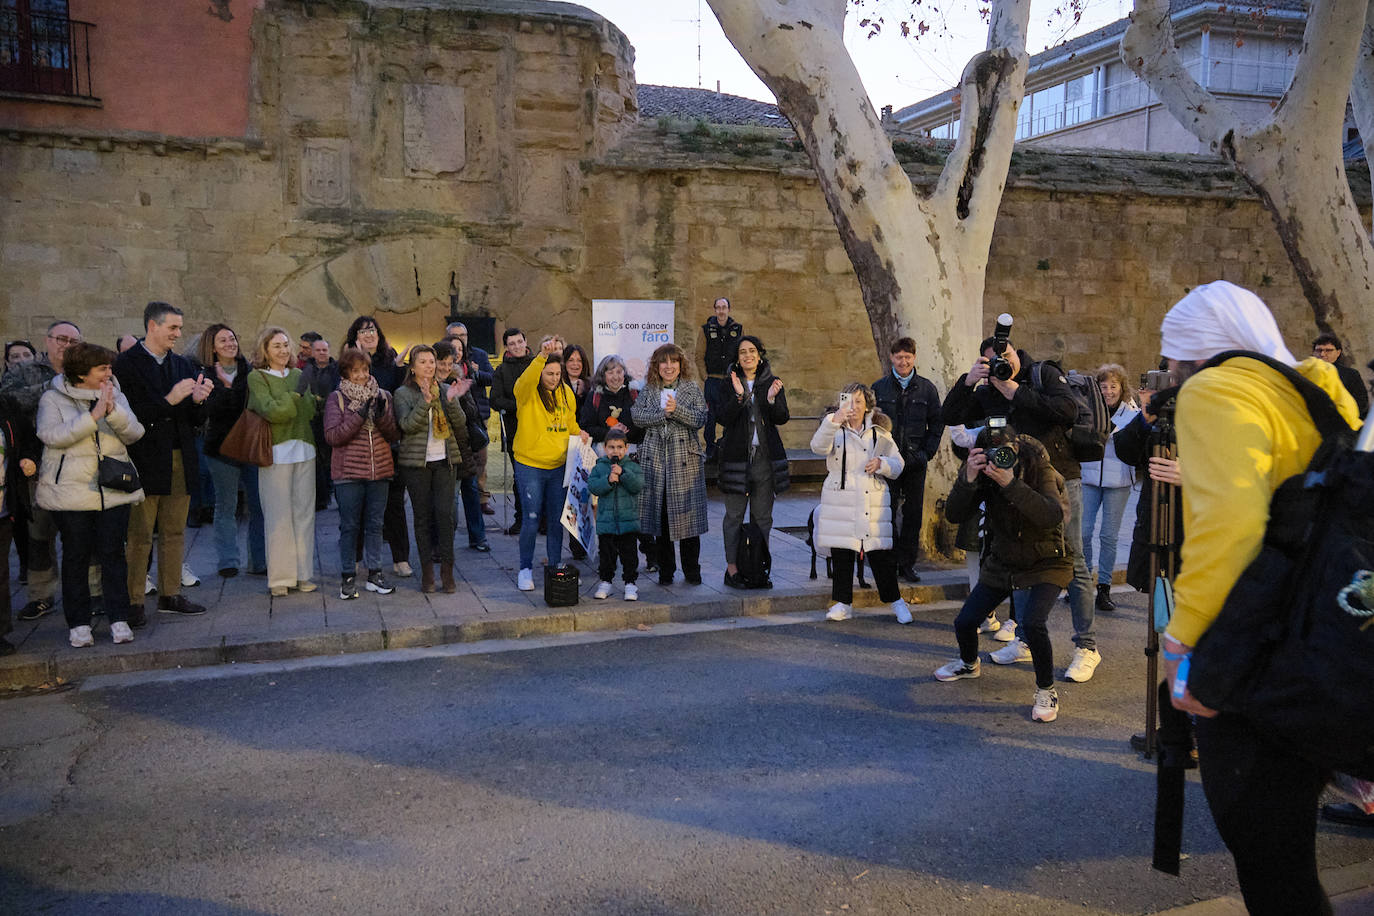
(113,474)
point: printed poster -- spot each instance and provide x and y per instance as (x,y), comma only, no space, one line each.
(631,329)
(579,518)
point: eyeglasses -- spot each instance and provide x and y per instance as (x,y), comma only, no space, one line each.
(1322,351)
(368,329)
(64,339)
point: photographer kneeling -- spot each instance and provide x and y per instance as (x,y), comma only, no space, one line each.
(1023,548)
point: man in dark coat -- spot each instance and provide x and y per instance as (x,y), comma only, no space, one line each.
(1328,347)
(516,360)
(913,405)
(722,334)
(320,376)
(479,394)
(165,392)
(20,391)
(1047,412)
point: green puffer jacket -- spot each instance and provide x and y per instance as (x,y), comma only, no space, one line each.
(617,506)
(414,416)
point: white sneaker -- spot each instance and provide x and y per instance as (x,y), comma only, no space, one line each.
(958,669)
(1013,652)
(525,580)
(839,611)
(403,570)
(1007,632)
(631,592)
(148,587)
(901,610)
(990,624)
(121,632)
(305,585)
(1085,662)
(603,590)
(1046,708)
(81,637)
(188,578)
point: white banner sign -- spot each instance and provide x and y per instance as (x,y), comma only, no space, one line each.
(631,329)
(578,516)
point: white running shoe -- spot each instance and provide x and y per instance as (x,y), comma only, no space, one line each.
(958,669)
(839,611)
(1013,652)
(121,632)
(188,578)
(402,569)
(81,637)
(990,624)
(1007,632)
(603,590)
(149,588)
(1085,662)
(525,580)
(305,585)
(631,592)
(1046,708)
(903,612)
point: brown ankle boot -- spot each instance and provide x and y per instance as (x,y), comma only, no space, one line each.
(426,576)
(446,577)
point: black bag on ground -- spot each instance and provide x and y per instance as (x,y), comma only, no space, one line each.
(561,584)
(754,560)
(1292,650)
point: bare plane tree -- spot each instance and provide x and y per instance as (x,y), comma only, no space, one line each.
(1291,159)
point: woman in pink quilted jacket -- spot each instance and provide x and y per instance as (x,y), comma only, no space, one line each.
(360,425)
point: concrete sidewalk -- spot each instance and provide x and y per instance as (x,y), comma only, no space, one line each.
(244,624)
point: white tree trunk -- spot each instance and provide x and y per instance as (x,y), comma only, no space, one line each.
(920,262)
(1292,159)
(1362,89)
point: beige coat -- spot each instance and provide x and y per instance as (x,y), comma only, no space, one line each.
(67,476)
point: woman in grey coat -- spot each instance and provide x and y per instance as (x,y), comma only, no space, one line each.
(83,417)
(672,505)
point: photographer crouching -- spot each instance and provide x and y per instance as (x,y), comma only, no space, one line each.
(1025,506)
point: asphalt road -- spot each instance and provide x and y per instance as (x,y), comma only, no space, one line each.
(809,768)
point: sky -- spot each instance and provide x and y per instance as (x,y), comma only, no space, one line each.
(895,71)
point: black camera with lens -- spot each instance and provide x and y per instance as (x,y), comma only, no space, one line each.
(1000,367)
(998,442)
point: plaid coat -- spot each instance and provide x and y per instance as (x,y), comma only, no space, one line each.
(671,457)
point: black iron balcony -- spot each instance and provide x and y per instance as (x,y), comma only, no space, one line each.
(45,55)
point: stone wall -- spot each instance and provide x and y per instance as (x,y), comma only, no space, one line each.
(395,145)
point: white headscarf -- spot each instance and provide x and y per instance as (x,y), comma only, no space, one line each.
(1221,316)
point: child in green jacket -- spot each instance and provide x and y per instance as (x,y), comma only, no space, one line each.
(616,481)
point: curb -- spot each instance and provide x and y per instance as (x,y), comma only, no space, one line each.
(19,672)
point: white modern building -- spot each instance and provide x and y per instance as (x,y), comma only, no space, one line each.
(1081,94)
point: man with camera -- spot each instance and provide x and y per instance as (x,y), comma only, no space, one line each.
(913,405)
(1242,429)
(1000,384)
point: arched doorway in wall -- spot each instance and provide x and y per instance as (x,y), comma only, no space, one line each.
(406,284)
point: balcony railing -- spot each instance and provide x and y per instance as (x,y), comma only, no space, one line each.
(45,55)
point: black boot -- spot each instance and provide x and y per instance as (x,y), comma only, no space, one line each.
(1104,598)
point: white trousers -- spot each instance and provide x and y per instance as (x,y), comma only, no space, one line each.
(287,492)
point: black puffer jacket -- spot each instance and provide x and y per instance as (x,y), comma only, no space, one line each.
(1023,543)
(732,413)
(595,416)
(917,426)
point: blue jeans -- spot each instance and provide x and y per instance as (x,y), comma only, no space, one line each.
(1112,501)
(540,490)
(472,511)
(1081,588)
(362,505)
(227,476)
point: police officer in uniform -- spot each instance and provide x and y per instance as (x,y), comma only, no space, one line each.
(722,339)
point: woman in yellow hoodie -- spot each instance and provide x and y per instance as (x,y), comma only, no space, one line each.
(546,415)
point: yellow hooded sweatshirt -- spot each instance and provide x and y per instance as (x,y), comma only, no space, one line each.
(1243,429)
(541,437)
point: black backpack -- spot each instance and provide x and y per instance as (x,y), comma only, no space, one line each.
(1292,649)
(1088,435)
(753,559)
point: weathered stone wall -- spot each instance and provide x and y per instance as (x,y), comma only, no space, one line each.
(397,144)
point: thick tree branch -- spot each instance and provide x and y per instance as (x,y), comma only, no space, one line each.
(1148,49)
(1315,101)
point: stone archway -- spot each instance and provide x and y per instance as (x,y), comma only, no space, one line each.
(405,282)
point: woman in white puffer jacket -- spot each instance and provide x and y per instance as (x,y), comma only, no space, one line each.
(856,507)
(82,416)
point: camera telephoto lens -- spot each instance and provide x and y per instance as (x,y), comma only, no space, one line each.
(1004,456)
(1000,368)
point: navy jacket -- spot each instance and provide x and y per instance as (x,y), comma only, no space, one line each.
(915,414)
(167,427)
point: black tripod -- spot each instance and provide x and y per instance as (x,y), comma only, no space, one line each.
(1163,566)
